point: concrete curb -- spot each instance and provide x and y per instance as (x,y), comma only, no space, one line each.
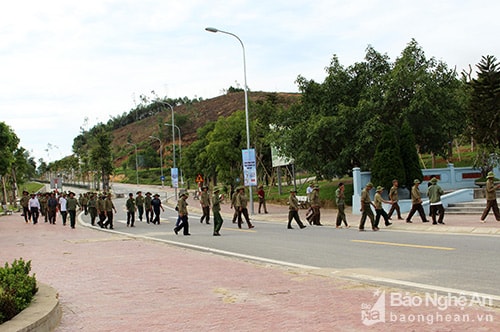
(43,314)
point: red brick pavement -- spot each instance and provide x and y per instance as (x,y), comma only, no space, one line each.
(109,282)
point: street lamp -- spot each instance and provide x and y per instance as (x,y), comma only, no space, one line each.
(209,29)
(173,141)
(136,164)
(161,159)
(180,149)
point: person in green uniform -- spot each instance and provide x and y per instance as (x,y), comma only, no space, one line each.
(43,199)
(293,210)
(24,203)
(216,200)
(394,197)
(71,205)
(148,207)
(340,200)
(101,209)
(315,205)
(109,208)
(491,198)
(205,205)
(366,210)
(92,208)
(379,210)
(416,203)
(131,208)
(435,205)
(241,204)
(139,203)
(183,215)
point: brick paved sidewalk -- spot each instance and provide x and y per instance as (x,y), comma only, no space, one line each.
(108,282)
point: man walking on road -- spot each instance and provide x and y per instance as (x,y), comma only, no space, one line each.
(340,200)
(394,197)
(183,215)
(491,198)
(71,205)
(416,203)
(293,210)
(131,208)
(436,206)
(216,199)
(139,203)
(205,205)
(366,208)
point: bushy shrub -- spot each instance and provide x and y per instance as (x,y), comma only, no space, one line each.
(17,288)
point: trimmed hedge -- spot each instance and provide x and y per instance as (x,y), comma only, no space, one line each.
(17,288)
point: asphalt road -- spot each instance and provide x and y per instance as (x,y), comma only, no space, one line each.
(462,262)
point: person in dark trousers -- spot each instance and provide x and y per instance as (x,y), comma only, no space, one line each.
(101,210)
(216,199)
(110,207)
(435,205)
(366,209)
(131,208)
(315,205)
(233,201)
(148,208)
(205,205)
(139,203)
(24,203)
(293,210)
(379,210)
(156,206)
(340,200)
(416,203)
(262,198)
(92,208)
(491,197)
(394,197)
(183,215)
(52,208)
(62,208)
(241,204)
(34,206)
(71,205)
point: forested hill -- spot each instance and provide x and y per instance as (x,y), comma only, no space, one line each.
(189,117)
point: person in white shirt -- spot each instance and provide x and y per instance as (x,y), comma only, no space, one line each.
(62,208)
(34,206)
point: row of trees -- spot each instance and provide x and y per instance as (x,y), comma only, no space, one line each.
(16,165)
(375,114)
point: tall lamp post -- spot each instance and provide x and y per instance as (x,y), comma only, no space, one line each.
(209,29)
(173,142)
(136,163)
(161,160)
(180,148)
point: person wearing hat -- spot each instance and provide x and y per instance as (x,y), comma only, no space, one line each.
(491,197)
(34,207)
(92,207)
(71,205)
(293,210)
(52,208)
(315,219)
(233,202)
(436,206)
(156,206)
(24,203)
(131,208)
(416,203)
(101,209)
(340,200)
(241,205)
(205,205)
(262,198)
(109,208)
(394,197)
(216,199)
(147,207)
(63,208)
(139,203)
(366,210)
(183,215)
(379,210)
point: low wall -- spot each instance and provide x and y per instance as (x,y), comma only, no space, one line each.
(42,315)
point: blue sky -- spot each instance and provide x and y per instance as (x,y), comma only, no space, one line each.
(64,61)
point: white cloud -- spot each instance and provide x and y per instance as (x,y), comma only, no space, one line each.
(62,61)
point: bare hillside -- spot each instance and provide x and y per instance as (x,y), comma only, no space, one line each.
(198,114)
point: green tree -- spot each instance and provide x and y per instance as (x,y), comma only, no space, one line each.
(387,163)
(8,145)
(409,155)
(101,157)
